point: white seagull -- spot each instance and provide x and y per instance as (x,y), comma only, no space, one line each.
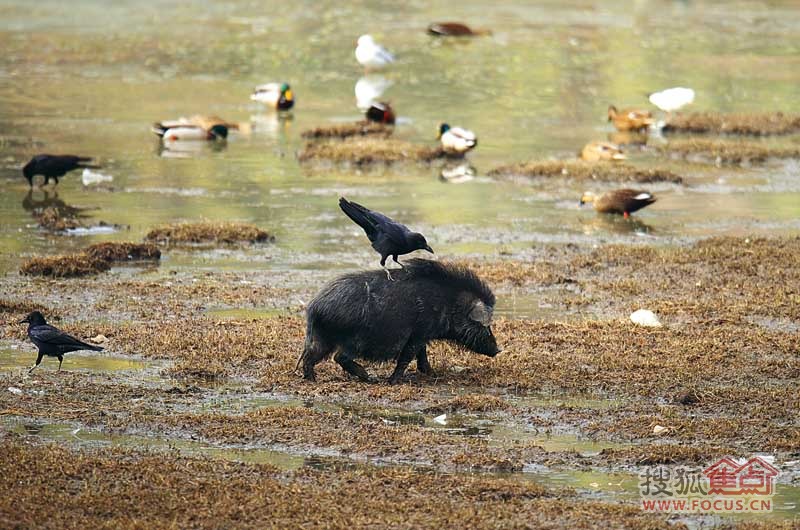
(672,99)
(372,55)
(456,139)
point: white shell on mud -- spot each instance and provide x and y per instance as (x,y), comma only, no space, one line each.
(660,429)
(645,317)
(441,420)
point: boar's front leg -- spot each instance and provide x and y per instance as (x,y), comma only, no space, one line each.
(409,352)
(345,360)
(423,366)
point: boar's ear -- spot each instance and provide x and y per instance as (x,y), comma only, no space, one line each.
(480,312)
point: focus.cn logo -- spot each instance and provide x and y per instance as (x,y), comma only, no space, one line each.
(726,486)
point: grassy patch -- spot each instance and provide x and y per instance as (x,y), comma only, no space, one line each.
(66,266)
(366,151)
(750,124)
(349,130)
(585,171)
(208,232)
(125,251)
(732,152)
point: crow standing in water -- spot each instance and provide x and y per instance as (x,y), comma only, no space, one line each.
(388,237)
(51,341)
(54,166)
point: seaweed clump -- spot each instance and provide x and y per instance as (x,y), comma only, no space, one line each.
(349,130)
(726,151)
(585,171)
(208,232)
(369,150)
(124,251)
(746,124)
(65,266)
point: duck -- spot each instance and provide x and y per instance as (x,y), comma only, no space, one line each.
(599,150)
(672,99)
(194,128)
(630,119)
(622,202)
(456,139)
(278,96)
(381,112)
(454,29)
(369,54)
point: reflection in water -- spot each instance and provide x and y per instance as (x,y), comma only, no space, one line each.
(615,224)
(188,148)
(49,199)
(272,124)
(628,138)
(458,174)
(32,428)
(369,88)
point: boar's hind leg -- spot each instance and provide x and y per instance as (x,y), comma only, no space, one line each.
(409,352)
(314,352)
(423,366)
(345,360)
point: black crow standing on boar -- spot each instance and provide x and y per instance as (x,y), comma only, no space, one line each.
(54,166)
(388,237)
(368,316)
(51,341)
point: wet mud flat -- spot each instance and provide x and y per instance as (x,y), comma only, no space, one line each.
(484,440)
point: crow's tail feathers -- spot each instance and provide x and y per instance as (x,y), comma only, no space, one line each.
(360,215)
(92,347)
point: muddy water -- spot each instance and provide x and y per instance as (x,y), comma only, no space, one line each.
(89,78)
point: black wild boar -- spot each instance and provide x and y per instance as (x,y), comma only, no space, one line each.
(366,315)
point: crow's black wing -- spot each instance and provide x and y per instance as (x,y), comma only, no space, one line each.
(374,224)
(52,336)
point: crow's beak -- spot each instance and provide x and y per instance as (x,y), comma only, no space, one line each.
(23,321)
(429,249)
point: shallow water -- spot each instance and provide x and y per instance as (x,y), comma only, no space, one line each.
(90,78)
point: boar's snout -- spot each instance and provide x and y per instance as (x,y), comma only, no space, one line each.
(490,348)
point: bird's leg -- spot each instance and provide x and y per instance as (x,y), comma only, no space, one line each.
(626,215)
(383,264)
(394,258)
(60,360)
(38,360)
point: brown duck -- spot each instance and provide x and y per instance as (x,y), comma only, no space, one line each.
(630,119)
(454,29)
(599,150)
(624,201)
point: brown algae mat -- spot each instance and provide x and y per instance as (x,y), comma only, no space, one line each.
(718,299)
(208,232)
(369,150)
(746,124)
(123,488)
(123,251)
(349,130)
(729,152)
(65,266)
(585,171)
(730,307)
